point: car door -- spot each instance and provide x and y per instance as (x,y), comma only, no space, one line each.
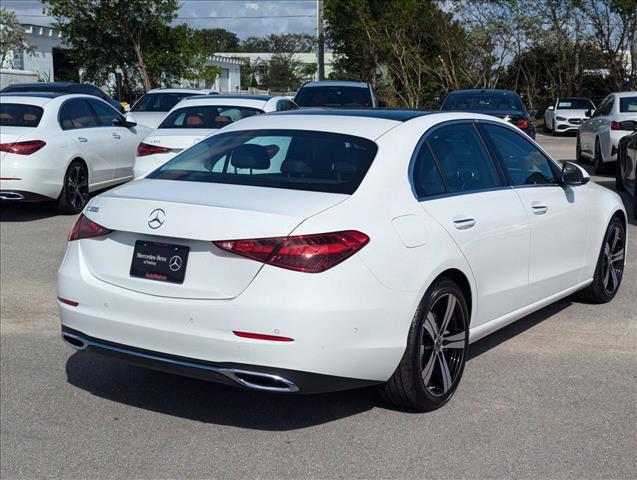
(82,128)
(557,217)
(124,140)
(548,115)
(459,185)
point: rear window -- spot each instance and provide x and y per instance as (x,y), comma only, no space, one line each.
(207,116)
(291,159)
(628,104)
(333,96)
(160,102)
(483,102)
(19,115)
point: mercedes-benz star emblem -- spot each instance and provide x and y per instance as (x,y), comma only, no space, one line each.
(156,218)
(175,263)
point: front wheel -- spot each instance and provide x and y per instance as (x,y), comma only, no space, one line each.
(434,360)
(74,195)
(610,265)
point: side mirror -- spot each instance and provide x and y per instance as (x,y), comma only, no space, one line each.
(588,113)
(127,123)
(533,112)
(573,175)
(551,108)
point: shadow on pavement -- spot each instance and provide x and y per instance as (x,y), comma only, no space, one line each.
(25,212)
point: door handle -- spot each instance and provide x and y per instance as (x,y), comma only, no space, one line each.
(117,136)
(462,222)
(539,208)
(82,139)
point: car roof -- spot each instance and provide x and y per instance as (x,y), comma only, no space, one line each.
(484,90)
(335,83)
(48,95)
(264,98)
(398,115)
(625,94)
(181,90)
(225,100)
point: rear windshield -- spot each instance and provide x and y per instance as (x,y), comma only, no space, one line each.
(483,102)
(207,116)
(160,102)
(292,159)
(628,104)
(19,115)
(574,104)
(332,96)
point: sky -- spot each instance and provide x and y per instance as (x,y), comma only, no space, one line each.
(283,16)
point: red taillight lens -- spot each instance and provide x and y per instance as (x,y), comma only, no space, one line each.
(521,123)
(303,253)
(86,228)
(615,126)
(144,149)
(22,148)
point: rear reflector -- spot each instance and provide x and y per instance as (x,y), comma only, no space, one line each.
(303,253)
(144,149)
(7,179)
(68,302)
(86,228)
(522,123)
(22,148)
(261,336)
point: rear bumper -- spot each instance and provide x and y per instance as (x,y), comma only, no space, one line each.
(253,377)
(34,178)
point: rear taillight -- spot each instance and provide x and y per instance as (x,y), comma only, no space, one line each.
(303,253)
(521,123)
(615,126)
(86,228)
(144,149)
(22,148)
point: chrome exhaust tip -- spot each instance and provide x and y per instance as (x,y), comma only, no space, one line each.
(261,381)
(73,341)
(11,196)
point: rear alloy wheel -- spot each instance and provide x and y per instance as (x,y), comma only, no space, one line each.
(598,162)
(619,183)
(74,195)
(434,359)
(610,265)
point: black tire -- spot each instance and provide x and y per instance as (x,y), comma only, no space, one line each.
(578,150)
(553,131)
(74,195)
(600,167)
(546,128)
(433,363)
(619,184)
(635,203)
(610,266)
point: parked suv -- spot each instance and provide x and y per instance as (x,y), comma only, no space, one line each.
(505,104)
(64,87)
(337,93)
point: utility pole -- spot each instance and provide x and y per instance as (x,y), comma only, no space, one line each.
(321,40)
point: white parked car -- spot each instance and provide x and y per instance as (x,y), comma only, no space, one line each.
(566,114)
(153,106)
(598,136)
(369,247)
(61,147)
(195,118)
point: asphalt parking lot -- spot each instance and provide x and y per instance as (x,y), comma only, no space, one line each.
(552,396)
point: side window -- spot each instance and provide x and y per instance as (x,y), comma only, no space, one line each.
(105,113)
(525,164)
(462,158)
(77,114)
(285,105)
(427,179)
(606,107)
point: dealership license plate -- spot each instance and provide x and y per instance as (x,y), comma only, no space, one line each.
(159,261)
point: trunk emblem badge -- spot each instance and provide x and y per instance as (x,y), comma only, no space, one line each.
(175,263)
(156,218)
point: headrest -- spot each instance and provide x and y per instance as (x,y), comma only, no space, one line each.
(223,120)
(194,119)
(344,167)
(295,166)
(250,156)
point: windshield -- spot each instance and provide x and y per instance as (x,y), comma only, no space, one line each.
(291,159)
(207,116)
(332,96)
(574,104)
(483,102)
(628,104)
(19,115)
(160,102)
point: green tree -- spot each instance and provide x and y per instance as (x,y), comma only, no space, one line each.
(218,40)
(284,43)
(117,33)
(12,36)
(284,73)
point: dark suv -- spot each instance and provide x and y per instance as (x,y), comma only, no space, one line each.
(505,104)
(63,87)
(336,94)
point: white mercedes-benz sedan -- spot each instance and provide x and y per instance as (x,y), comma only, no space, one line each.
(322,250)
(566,114)
(58,147)
(195,118)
